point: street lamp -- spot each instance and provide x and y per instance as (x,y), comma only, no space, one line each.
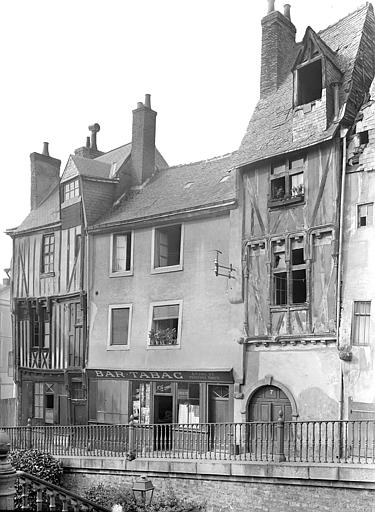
(143,490)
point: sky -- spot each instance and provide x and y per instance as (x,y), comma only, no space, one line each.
(68,64)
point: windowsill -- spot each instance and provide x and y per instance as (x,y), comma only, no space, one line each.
(285,307)
(163,270)
(72,200)
(47,274)
(286,201)
(163,347)
(117,348)
(125,273)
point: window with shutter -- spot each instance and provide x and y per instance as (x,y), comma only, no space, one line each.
(165,324)
(167,248)
(119,326)
(121,253)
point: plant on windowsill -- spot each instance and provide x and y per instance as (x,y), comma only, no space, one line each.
(345,353)
(298,190)
(166,336)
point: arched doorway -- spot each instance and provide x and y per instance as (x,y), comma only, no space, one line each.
(265,404)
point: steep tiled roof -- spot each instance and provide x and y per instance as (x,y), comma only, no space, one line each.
(117,157)
(269,132)
(176,189)
(92,168)
(48,212)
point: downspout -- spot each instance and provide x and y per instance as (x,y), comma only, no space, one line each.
(343,135)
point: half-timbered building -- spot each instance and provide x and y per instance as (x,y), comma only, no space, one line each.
(291,166)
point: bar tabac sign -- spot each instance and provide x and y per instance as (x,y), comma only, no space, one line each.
(165,375)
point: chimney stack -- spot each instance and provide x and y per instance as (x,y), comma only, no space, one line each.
(287,12)
(143,141)
(45,173)
(90,150)
(278,42)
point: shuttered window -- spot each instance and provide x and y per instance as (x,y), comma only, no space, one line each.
(119,325)
(361,323)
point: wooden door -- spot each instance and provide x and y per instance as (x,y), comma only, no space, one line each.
(218,415)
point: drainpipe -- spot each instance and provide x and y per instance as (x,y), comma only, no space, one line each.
(339,263)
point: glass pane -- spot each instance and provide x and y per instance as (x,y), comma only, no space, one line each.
(119,326)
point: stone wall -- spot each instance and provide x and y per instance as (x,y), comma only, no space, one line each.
(244,487)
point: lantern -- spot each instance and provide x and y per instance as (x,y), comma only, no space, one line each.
(143,490)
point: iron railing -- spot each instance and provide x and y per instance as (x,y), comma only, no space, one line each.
(293,441)
(37,494)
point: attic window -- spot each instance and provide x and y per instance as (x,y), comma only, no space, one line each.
(309,82)
(70,189)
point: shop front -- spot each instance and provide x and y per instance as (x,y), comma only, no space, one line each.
(160,396)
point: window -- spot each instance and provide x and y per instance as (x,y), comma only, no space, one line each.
(365,214)
(71,189)
(289,280)
(121,253)
(188,402)
(167,247)
(165,324)
(361,323)
(363,138)
(119,326)
(48,254)
(38,400)
(287,182)
(309,82)
(40,327)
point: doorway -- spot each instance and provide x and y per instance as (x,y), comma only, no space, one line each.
(218,415)
(163,417)
(263,413)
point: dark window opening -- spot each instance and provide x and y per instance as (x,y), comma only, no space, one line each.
(310,82)
(278,188)
(297,257)
(49,401)
(298,286)
(280,289)
(167,246)
(363,138)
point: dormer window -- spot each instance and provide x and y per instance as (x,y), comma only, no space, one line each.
(70,189)
(309,80)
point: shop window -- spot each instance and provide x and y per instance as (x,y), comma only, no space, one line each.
(309,82)
(121,253)
(141,399)
(365,215)
(48,254)
(188,402)
(167,247)
(165,324)
(119,325)
(363,138)
(289,280)
(287,182)
(71,189)
(361,323)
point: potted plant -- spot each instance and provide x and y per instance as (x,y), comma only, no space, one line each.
(166,336)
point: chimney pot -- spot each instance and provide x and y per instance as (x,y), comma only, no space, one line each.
(140,104)
(94,129)
(271,6)
(287,11)
(148,100)
(45,149)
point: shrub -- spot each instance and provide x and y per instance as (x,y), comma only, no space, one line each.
(39,464)
(107,496)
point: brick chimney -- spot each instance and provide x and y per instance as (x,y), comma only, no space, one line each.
(143,141)
(278,41)
(45,172)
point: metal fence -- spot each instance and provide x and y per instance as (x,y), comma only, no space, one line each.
(294,441)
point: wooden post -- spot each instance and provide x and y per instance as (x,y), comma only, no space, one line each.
(7,475)
(131,452)
(29,444)
(280,427)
